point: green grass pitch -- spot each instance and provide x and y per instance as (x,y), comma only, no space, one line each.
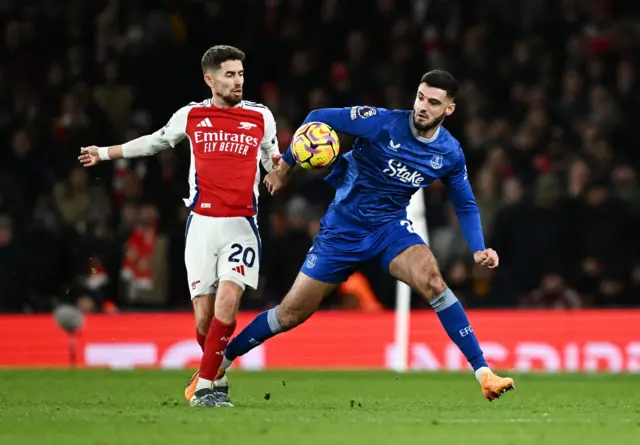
(90,407)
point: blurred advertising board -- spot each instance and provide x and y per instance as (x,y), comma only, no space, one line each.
(521,340)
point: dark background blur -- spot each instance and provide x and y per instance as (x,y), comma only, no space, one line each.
(547,115)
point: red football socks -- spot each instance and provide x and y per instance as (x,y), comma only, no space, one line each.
(216,342)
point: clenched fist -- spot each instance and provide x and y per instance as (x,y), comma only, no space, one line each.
(488,258)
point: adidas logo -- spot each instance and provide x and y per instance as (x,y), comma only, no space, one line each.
(205,123)
(239,269)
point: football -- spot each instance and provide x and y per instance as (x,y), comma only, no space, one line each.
(315,145)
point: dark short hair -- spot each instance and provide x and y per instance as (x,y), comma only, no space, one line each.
(216,55)
(443,81)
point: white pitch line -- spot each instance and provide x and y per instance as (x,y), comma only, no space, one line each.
(472,420)
(533,420)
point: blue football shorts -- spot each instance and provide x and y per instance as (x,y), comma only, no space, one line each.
(336,254)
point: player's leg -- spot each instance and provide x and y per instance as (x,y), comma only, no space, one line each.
(197,263)
(221,329)
(302,300)
(325,266)
(406,257)
(203,309)
(238,266)
(201,263)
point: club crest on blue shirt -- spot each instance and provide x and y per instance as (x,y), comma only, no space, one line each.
(363,112)
(436,162)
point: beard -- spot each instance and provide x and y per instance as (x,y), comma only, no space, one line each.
(231,100)
(429,125)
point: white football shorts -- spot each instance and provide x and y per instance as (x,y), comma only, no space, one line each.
(219,249)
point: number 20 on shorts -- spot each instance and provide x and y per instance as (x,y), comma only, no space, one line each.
(248,255)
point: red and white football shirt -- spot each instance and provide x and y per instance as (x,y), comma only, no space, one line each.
(226,146)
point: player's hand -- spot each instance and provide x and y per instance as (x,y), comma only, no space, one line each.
(277,178)
(89,156)
(275,160)
(273,182)
(488,258)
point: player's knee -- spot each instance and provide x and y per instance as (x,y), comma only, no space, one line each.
(290,317)
(203,309)
(436,284)
(432,283)
(203,321)
(228,300)
(302,301)
(226,309)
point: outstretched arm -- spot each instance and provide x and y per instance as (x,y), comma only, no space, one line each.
(168,136)
(466,208)
(359,121)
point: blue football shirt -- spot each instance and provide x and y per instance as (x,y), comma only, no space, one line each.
(389,162)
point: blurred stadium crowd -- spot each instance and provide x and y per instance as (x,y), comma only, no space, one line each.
(547,115)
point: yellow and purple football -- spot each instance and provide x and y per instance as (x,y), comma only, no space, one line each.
(315,145)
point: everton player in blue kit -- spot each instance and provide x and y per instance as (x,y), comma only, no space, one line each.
(396,153)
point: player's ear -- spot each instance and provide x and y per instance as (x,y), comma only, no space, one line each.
(208,79)
(450,109)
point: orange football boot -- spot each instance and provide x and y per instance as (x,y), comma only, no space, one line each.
(190,389)
(493,386)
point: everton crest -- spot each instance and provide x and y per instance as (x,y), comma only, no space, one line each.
(436,162)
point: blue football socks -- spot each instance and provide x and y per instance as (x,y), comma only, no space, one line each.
(447,307)
(261,328)
(455,322)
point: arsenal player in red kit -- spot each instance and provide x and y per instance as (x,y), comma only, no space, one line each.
(228,137)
